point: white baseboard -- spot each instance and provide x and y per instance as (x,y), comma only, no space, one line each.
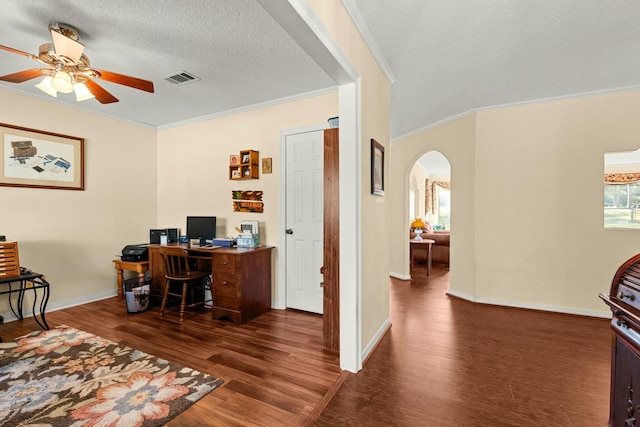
(400,276)
(541,307)
(59,305)
(376,338)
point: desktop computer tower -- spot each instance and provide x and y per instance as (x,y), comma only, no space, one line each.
(154,235)
(173,235)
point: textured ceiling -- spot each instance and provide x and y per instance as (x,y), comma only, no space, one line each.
(452,56)
(446,57)
(242,56)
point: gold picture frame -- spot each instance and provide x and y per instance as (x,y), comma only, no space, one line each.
(266,165)
(39,159)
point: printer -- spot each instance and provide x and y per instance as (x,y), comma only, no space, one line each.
(135,253)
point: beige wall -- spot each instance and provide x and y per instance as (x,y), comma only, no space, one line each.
(137,179)
(193,166)
(533,217)
(72,236)
(375,112)
(456,141)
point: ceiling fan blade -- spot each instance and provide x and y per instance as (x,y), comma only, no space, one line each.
(19,52)
(66,46)
(133,82)
(98,91)
(22,76)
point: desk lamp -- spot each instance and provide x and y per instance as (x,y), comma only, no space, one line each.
(417,226)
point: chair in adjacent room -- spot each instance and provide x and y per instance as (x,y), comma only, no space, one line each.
(192,282)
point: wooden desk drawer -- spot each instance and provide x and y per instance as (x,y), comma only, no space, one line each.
(225,290)
(224,262)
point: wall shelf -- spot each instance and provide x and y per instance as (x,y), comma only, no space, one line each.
(247,168)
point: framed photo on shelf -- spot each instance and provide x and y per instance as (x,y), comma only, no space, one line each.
(235,173)
(246,158)
(234,159)
(377,168)
(39,159)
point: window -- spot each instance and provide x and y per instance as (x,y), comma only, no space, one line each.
(622,190)
(412,205)
(438,203)
(444,207)
(622,205)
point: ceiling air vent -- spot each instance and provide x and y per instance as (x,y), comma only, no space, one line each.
(181,78)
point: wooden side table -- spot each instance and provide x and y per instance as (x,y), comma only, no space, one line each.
(424,244)
(140,267)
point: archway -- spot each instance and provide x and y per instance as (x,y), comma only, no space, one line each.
(430,200)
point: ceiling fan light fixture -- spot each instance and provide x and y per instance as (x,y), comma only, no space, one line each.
(45,86)
(66,65)
(66,46)
(82,92)
(62,82)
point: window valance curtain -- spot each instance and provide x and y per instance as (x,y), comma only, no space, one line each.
(621,178)
(431,194)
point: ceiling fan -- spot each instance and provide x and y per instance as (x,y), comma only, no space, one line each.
(67,69)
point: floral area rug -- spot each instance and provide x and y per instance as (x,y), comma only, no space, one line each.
(67,377)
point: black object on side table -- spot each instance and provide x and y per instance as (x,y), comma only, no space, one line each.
(26,281)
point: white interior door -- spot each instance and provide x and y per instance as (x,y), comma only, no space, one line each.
(304,220)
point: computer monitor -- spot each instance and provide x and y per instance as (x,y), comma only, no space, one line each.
(202,228)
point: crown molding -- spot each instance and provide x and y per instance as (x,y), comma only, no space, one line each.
(252,107)
(514,104)
(368,38)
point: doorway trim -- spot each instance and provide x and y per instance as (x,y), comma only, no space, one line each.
(301,22)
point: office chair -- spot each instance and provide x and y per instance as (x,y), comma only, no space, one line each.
(177,270)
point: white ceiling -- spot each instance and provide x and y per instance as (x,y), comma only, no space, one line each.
(242,56)
(445,57)
(452,56)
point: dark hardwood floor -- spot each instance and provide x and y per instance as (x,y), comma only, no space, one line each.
(449,362)
(444,362)
(274,368)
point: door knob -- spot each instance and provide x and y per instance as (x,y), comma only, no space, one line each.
(289,231)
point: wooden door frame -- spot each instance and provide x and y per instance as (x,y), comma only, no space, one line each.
(331,309)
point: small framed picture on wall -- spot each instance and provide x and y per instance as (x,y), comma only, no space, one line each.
(377,168)
(266,165)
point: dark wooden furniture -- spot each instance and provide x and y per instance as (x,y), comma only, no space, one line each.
(9,259)
(192,282)
(624,301)
(241,285)
(331,239)
(241,278)
(140,267)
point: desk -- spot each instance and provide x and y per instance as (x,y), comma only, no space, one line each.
(424,244)
(27,280)
(241,278)
(139,267)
